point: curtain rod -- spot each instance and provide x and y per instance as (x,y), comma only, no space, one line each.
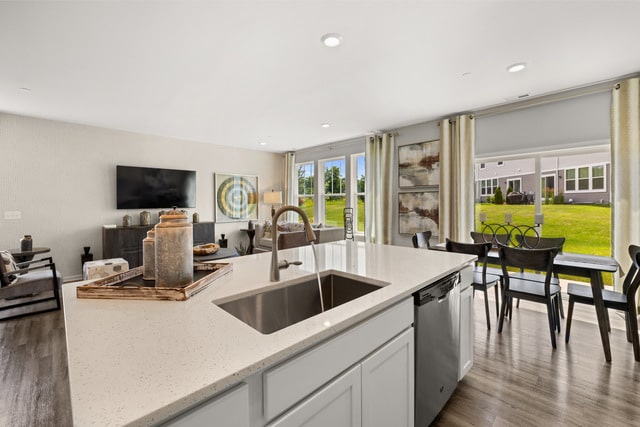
(590,89)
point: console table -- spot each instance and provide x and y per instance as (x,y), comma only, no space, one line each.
(126,242)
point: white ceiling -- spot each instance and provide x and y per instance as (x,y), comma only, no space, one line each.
(242,72)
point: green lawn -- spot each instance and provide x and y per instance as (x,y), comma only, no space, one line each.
(334,212)
(586,228)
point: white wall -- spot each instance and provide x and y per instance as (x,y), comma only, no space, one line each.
(62,178)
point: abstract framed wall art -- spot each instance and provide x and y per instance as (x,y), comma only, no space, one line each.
(236,197)
(419,164)
(419,211)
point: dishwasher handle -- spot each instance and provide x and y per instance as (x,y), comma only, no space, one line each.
(438,291)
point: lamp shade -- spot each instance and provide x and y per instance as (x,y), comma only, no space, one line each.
(273,197)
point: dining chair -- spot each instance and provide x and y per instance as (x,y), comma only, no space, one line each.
(481,279)
(421,240)
(543,292)
(22,283)
(478,237)
(622,301)
(532,242)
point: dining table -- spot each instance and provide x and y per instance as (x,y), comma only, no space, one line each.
(579,265)
(590,267)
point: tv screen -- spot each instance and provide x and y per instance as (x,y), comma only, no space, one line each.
(151,188)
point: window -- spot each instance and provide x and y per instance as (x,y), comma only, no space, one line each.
(500,163)
(515,184)
(482,166)
(548,186)
(488,186)
(335,199)
(305,189)
(597,177)
(585,178)
(360,193)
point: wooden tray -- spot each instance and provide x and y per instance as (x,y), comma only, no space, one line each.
(130,285)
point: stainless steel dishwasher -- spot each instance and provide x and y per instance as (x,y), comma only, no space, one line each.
(437,326)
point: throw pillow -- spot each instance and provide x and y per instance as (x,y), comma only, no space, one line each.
(267,230)
(8,264)
(283,226)
(296,226)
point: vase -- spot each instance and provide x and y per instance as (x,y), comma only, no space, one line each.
(149,256)
(126,221)
(86,249)
(145,218)
(223,242)
(26,243)
(196,217)
(174,250)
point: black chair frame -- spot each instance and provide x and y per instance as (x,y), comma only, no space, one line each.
(541,292)
(622,301)
(481,279)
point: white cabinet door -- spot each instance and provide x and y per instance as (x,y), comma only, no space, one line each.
(338,404)
(230,409)
(388,384)
(466,332)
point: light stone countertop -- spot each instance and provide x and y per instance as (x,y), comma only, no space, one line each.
(138,362)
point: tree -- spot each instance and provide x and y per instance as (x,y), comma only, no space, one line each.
(333,182)
(497,197)
(305,183)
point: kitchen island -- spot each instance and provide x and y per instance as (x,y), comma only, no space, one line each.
(143,362)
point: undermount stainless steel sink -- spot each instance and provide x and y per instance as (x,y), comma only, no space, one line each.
(295,301)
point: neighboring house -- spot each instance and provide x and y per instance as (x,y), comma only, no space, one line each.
(580,178)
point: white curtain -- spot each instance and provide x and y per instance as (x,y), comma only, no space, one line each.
(290,184)
(457,147)
(625,170)
(379,185)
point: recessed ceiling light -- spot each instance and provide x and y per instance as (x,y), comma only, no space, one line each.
(514,68)
(25,89)
(466,74)
(325,125)
(263,143)
(331,39)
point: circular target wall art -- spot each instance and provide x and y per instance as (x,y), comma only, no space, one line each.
(236,197)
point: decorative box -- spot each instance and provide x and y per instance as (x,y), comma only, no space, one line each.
(104,268)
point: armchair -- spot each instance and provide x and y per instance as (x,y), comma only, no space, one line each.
(31,282)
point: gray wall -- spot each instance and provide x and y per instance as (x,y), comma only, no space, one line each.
(582,121)
(61,177)
(575,122)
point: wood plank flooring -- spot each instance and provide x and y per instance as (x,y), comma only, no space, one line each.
(517,378)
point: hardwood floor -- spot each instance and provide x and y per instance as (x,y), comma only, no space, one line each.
(517,378)
(33,368)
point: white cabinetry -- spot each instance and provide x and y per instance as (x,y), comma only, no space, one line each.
(230,409)
(388,384)
(378,354)
(338,404)
(466,323)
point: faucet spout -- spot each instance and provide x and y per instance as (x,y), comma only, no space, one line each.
(311,236)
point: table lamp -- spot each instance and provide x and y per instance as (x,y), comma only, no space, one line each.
(273,198)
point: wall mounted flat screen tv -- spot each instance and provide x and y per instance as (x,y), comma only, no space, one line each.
(151,188)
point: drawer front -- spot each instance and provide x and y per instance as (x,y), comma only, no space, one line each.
(295,379)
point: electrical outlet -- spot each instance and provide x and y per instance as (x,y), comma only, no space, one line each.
(12,215)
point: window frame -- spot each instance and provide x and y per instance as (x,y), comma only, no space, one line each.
(518,180)
(355,193)
(482,188)
(590,178)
